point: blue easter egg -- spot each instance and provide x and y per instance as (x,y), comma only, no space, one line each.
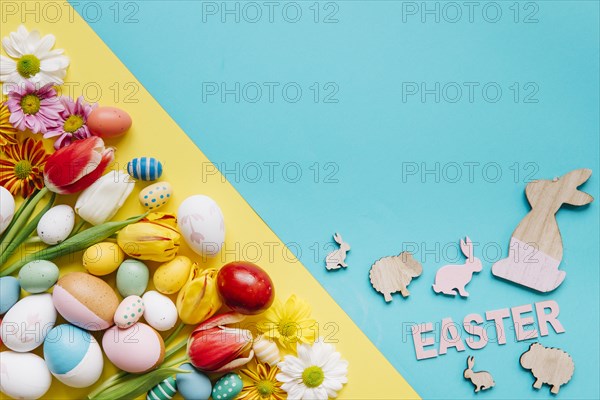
(145,168)
(227,387)
(10,290)
(73,356)
(194,385)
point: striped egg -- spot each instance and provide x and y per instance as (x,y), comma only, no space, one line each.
(164,390)
(266,351)
(156,195)
(145,168)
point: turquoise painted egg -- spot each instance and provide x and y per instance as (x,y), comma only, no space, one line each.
(164,390)
(73,356)
(193,385)
(155,195)
(10,290)
(145,168)
(38,276)
(132,278)
(227,387)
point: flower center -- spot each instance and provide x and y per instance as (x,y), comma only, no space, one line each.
(287,329)
(30,104)
(73,123)
(313,376)
(265,388)
(23,169)
(28,65)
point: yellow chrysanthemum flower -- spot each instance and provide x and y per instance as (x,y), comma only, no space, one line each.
(264,385)
(289,323)
(8,134)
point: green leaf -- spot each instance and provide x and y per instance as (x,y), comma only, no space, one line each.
(138,385)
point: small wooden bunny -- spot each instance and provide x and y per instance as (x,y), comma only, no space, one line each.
(337,258)
(482,380)
(451,278)
(536,249)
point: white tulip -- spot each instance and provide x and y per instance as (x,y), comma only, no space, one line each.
(101,201)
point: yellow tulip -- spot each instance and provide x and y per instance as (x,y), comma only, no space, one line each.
(199,298)
(154,238)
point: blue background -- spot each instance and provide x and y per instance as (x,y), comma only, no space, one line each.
(375,131)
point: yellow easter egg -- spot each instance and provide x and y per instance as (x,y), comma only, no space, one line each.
(171,276)
(103,258)
(155,195)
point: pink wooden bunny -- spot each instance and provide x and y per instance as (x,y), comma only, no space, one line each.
(450,278)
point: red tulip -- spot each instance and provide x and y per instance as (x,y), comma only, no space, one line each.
(75,167)
(213,347)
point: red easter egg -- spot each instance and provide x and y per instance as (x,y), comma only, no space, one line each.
(245,287)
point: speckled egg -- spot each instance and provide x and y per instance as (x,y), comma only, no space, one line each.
(103,258)
(85,301)
(145,168)
(56,224)
(7,208)
(160,311)
(156,195)
(136,349)
(229,386)
(38,276)
(73,356)
(10,291)
(26,324)
(170,277)
(164,390)
(108,122)
(24,375)
(193,385)
(129,311)
(132,278)
(201,224)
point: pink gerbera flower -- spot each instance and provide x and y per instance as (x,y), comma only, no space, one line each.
(35,109)
(71,125)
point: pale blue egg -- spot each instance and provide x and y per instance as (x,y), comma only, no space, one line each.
(10,290)
(193,385)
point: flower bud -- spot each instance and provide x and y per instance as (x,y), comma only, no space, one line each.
(199,298)
(101,201)
(154,238)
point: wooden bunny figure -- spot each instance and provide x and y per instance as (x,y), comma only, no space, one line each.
(451,278)
(337,258)
(536,249)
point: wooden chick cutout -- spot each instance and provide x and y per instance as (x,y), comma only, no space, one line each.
(481,379)
(548,365)
(535,250)
(393,274)
(337,258)
(451,278)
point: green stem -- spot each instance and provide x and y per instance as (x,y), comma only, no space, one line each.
(174,334)
(24,233)
(33,240)
(78,227)
(179,360)
(22,216)
(108,383)
(175,349)
(17,215)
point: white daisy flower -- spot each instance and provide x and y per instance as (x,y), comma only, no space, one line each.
(31,58)
(318,372)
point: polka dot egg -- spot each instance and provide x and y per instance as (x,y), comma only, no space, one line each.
(156,195)
(129,311)
(228,387)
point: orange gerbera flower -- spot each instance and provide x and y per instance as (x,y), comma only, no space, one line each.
(8,133)
(264,385)
(22,170)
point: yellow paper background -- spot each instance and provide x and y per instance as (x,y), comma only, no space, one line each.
(154,133)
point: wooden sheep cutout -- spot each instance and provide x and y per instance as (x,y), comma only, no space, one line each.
(337,258)
(536,250)
(548,365)
(393,274)
(451,278)
(482,380)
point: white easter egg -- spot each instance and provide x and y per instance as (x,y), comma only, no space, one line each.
(24,375)
(73,356)
(129,311)
(26,324)
(7,208)
(201,224)
(160,312)
(56,224)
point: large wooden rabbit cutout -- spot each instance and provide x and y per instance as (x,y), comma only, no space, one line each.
(451,278)
(536,245)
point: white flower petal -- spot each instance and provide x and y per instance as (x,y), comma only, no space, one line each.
(55,63)
(44,46)
(32,41)
(296,392)
(7,66)
(9,48)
